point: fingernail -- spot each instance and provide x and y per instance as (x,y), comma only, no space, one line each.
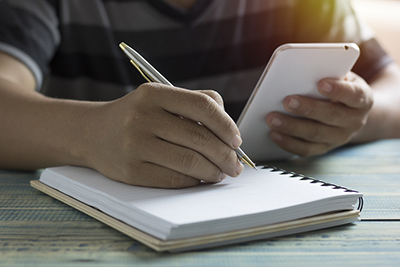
(294,103)
(239,167)
(326,87)
(276,122)
(237,141)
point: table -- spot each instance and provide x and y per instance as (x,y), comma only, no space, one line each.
(37,230)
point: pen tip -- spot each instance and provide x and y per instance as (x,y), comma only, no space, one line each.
(122,45)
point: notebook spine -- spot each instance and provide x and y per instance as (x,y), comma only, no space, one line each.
(314,181)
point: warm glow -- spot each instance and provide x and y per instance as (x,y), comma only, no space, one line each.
(383,17)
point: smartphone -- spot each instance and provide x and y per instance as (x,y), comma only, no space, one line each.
(294,69)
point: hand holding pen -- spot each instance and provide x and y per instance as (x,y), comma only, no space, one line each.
(152,75)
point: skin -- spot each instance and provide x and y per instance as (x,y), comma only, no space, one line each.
(357,112)
(142,138)
(137,139)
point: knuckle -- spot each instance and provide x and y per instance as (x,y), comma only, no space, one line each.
(363,122)
(360,97)
(335,115)
(150,88)
(139,115)
(129,172)
(291,127)
(205,104)
(310,110)
(314,134)
(199,135)
(359,124)
(132,118)
(176,180)
(189,161)
(215,95)
(148,92)
(190,164)
(144,91)
(370,101)
(357,121)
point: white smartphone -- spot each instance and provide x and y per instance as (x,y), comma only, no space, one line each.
(292,69)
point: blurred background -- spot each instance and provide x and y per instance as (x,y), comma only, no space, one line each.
(384,17)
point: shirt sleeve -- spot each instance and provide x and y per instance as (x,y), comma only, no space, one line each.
(335,21)
(28,32)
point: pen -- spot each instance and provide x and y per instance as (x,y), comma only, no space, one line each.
(152,75)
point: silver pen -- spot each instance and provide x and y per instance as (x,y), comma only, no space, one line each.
(152,75)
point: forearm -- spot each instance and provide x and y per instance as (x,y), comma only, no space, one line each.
(383,121)
(37,131)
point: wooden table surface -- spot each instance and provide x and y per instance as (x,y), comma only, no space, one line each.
(36,230)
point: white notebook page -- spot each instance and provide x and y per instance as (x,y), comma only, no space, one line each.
(251,193)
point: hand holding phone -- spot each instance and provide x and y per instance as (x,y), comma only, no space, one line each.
(294,69)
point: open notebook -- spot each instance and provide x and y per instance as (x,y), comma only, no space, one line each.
(255,205)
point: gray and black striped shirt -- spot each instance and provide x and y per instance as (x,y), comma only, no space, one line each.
(72,45)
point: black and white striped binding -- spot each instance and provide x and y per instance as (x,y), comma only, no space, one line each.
(314,181)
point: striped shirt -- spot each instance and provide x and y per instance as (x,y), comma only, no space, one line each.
(71,46)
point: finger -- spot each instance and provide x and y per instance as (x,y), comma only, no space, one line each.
(307,130)
(297,146)
(324,111)
(152,175)
(182,160)
(214,95)
(196,137)
(197,107)
(353,91)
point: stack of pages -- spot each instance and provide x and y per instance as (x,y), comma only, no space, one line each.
(256,205)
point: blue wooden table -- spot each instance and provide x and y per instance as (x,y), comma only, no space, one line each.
(36,230)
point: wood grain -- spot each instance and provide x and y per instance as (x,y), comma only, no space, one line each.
(65,243)
(36,230)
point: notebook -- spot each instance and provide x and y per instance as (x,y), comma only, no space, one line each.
(256,205)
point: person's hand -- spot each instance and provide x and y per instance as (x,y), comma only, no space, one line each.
(151,137)
(321,125)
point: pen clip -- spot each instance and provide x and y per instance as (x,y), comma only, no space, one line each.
(142,72)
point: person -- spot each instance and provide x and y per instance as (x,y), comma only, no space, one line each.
(68,95)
